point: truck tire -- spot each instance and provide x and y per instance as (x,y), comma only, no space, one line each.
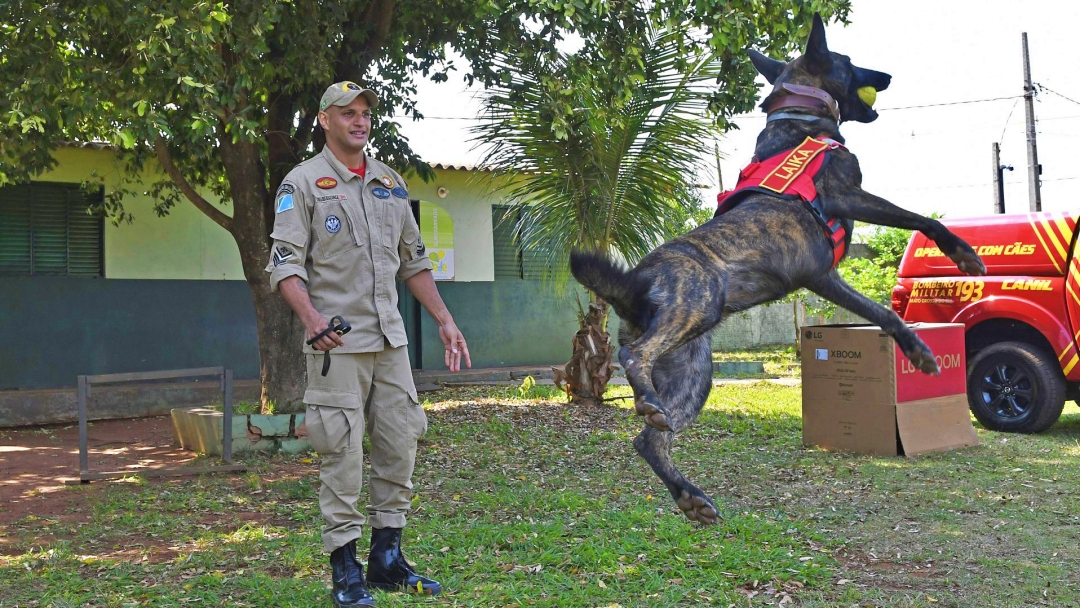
(1015,387)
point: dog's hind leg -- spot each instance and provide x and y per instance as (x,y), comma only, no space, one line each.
(834,289)
(683,379)
(671,327)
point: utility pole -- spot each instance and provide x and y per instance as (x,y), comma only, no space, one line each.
(1034,168)
(999,178)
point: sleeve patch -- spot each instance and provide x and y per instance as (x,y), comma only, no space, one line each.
(284,203)
(282,254)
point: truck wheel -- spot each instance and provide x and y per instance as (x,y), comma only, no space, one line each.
(1015,387)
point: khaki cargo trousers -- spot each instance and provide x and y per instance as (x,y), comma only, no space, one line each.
(370,392)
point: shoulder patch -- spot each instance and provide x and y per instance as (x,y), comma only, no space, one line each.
(284,203)
(326,182)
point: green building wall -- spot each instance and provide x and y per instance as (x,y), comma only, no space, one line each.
(173,295)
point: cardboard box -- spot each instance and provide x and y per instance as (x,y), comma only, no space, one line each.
(861,394)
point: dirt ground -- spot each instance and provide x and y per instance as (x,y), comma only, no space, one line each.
(36,462)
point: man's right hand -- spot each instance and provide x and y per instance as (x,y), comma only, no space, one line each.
(315,325)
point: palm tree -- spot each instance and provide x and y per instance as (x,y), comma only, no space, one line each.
(584,161)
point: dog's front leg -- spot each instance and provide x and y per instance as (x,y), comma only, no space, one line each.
(855,203)
(834,289)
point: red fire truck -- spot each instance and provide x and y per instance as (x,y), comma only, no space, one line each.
(1022,319)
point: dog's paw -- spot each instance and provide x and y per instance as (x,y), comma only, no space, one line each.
(923,360)
(698,508)
(967,260)
(654,416)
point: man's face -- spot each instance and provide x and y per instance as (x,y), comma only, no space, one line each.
(347,127)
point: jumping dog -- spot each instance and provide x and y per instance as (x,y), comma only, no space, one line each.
(757,251)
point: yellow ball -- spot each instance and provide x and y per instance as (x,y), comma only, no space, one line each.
(868,95)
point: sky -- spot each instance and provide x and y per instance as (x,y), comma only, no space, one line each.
(957,88)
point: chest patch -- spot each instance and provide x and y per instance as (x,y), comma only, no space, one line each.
(326,182)
(387,181)
(380,192)
(400,192)
(333,224)
(329,197)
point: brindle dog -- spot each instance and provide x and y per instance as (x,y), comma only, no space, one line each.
(759,251)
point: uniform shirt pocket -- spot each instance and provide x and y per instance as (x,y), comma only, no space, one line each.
(335,226)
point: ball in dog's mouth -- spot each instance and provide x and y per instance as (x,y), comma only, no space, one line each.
(868,95)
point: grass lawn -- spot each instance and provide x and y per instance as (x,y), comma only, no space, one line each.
(524,501)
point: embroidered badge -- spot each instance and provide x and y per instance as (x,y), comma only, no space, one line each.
(352,86)
(400,192)
(285,188)
(326,182)
(333,224)
(284,203)
(381,192)
(387,181)
(420,249)
(793,164)
(282,254)
(329,197)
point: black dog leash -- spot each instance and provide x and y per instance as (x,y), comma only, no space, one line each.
(340,327)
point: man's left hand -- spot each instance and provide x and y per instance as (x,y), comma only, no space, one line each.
(455,345)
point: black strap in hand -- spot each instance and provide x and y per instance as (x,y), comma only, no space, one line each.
(337,325)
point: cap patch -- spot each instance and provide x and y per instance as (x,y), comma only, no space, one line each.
(326,182)
(381,192)
(351,86)
(400,192)
(387,181)
(284,203)
(333,224)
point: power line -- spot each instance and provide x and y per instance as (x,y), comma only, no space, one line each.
(1007,118)
(951,103)
(1046,88)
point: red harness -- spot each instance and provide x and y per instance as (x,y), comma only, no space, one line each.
(790,175)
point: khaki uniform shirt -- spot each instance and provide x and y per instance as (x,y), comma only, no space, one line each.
(348,237)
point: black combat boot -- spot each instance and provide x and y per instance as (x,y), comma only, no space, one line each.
(349,589)
(387,568)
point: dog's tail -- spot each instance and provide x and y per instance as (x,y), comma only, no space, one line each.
(621,288)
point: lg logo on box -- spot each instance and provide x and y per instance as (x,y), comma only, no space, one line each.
(812,335)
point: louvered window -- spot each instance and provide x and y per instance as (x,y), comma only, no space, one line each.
(507,253)
(45,230)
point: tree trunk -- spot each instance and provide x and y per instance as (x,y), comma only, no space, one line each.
(281,334)
(589,369)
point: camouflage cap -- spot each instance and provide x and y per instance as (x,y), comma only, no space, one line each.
(343,93)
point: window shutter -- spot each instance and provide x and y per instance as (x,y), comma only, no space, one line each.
(45,230)
(507,257)
(14,233)
(85,246)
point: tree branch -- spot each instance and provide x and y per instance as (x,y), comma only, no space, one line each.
(359,51)
(161,149)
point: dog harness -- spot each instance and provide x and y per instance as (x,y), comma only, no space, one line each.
(790,175)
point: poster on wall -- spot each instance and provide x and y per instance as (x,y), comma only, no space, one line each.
(437,230)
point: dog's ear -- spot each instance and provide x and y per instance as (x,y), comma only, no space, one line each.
(767,67)
(817,58)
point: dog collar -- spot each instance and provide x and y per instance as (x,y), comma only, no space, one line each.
(789,95)
(792,116)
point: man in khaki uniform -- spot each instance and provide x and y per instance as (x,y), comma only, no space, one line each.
(343,231)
